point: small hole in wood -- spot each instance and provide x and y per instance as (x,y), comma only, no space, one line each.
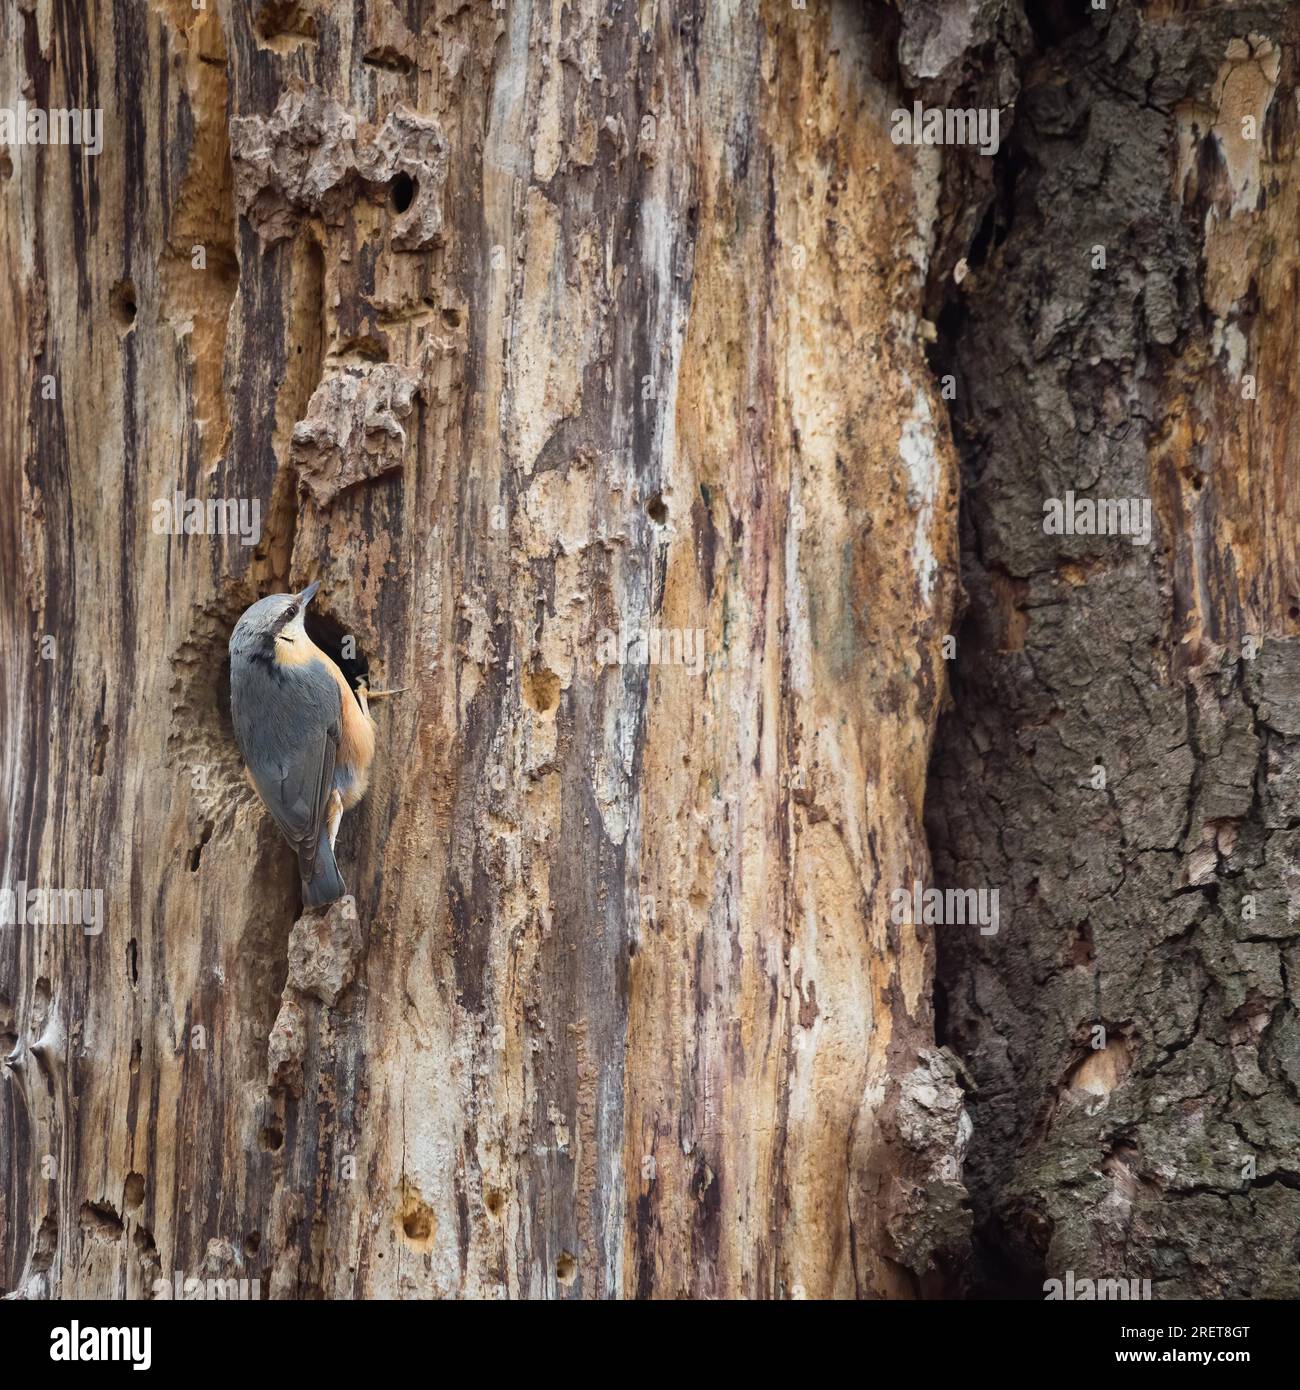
(121,300)
(401,192)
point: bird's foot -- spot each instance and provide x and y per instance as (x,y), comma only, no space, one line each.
(365,694)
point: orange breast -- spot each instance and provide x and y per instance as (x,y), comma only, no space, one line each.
(357,736)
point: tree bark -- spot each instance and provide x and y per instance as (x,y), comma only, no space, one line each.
(1121,752)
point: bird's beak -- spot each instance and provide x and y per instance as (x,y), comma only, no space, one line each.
(309,593)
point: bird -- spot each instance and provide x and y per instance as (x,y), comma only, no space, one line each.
(307,738)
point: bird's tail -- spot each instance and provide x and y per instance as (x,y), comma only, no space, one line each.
(326,883)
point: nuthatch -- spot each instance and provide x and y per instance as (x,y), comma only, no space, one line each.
(306,737)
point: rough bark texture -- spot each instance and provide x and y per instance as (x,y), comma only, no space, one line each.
(528,325)
(1126,906)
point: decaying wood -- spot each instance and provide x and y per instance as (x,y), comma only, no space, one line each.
(548,339)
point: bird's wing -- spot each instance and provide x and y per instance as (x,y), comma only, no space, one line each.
(296,789)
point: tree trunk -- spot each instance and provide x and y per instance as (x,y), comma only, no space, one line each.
(573,351)
(597,361)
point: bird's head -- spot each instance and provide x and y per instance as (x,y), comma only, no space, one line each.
(276,618)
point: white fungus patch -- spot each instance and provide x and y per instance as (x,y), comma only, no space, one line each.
(917,448)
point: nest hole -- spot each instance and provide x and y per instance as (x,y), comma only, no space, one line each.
(340,645)
(418,1224)
(541,690)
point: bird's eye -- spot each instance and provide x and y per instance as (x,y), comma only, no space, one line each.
(290,613)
